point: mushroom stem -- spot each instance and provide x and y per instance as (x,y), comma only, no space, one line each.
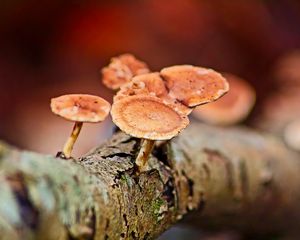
(72,139)
(144,153)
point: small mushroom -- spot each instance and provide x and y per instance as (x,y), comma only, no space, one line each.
(149,118)
(234,107)
(121,70)
(194,86)
(79,108)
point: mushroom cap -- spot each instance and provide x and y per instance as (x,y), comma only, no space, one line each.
(145,84)
(231,108)
(121,69)
(286,71)
(176,105)
(291,134)
(80,107)
(150,84)
(147,117)
(194,86)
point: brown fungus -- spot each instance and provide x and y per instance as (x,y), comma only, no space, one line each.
(234,107)
(194,86)
(148,118)
(79,108)
(291,134)
(121,70)
(150,84)
(155,106)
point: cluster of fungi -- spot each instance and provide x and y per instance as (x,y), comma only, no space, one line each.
(151,106)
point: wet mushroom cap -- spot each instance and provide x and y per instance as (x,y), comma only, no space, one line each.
(121,69)
(80,107)
(194,86)
(231,108)
(147,117)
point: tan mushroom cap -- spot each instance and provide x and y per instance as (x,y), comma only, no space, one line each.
(146,84)
(147,117)
(231,108)
(150,84)
(287,71)
(176,105)
(194,86)
(121,69)
(80,107)
(291,134)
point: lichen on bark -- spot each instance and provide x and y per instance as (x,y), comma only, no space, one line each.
(216,177)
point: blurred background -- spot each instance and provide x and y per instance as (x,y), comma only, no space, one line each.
(57,47)
(54,47)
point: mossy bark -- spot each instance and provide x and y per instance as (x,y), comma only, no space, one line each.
(216,177)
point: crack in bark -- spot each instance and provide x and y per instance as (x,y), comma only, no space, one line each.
(28,212)
(120,154)
(168,193)
(206,171)
(161,153)
(243,178)
(190,183)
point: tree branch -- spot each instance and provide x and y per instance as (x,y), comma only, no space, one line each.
(221,177)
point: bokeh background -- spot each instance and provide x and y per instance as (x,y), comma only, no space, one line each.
(53,47)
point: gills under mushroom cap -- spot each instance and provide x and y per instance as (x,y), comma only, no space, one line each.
(194,86)
(147,117)
(80,107)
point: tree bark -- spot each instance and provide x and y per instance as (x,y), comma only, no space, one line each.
(216,177)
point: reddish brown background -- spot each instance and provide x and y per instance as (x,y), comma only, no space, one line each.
(57,47)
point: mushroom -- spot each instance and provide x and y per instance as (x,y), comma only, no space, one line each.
(291,134)
(234,107)
(150,84)
(148,118)
(194,86)
(121,70)
(79,108)
(155,106)
(286,71)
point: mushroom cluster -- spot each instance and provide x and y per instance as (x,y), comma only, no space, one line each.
(155,106)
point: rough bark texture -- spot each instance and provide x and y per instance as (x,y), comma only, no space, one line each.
(222,177)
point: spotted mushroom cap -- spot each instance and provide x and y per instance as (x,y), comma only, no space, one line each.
(80,107)
(147,117)
(121,70)
(194,86)
(231,108)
